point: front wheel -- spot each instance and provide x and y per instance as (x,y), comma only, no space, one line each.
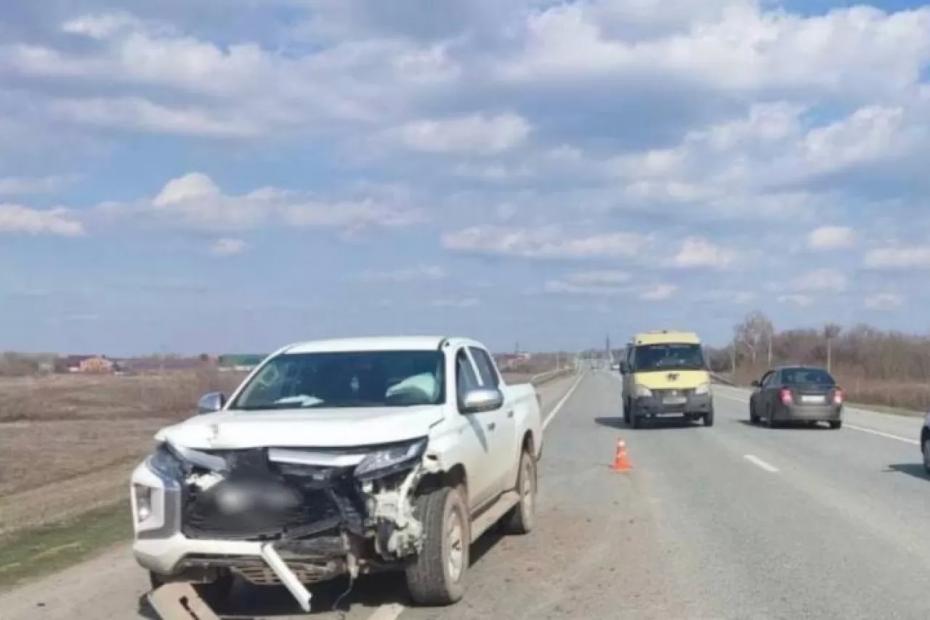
(626,412)
(522,517)
(836,424)
(437,576)
(709,418)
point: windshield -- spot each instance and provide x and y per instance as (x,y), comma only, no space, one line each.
(669,357)
(806,376)
(351,379)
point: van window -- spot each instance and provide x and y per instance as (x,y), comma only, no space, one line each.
(669,357)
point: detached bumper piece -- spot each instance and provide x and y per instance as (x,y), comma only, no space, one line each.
(674,402)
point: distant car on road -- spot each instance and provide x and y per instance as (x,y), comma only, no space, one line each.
(797,394)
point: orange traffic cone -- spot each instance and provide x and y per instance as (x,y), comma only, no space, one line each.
(621,459)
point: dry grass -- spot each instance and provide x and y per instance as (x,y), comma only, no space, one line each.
(68,442)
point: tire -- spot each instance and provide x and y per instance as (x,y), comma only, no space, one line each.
(709,418)
(925,449)
(836,424)
(626,413)
(437,575)
(753,418)
(522,517)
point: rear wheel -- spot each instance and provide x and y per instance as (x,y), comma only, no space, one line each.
(836,424)
(437,576)
(753,418)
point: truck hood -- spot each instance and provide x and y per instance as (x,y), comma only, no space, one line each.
(672,379)
(317,428)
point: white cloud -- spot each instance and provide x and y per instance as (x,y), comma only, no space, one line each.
(410,274)
(659,292)
(884,301)
(802,301)
(909,257)
(100,26)
(20,219)
(697,252)
(820,280)
(603,283)
(195,201)
(831,238)
(228,247)
(607,277)
(859,50)
(547,242)
(477,134)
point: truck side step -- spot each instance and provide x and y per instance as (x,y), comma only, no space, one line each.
(180,601)
(483,522)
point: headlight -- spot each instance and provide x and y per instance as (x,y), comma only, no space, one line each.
(391,459)
(702,389)
(143,497)
(165,463)
(641,391)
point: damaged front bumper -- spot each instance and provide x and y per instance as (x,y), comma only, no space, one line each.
(271,516)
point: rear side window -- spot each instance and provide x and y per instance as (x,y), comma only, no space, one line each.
(806,376)
(485,366)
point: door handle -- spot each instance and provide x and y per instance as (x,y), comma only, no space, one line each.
(492,426)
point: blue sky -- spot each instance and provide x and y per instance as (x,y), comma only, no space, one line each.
(231,175)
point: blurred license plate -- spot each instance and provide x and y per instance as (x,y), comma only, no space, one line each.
(812,399)
(674,400)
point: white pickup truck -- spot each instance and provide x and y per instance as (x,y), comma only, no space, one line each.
(338,458)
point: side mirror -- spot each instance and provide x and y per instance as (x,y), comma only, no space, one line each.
(477,401)
(624,368)
(756,384)
(211,403)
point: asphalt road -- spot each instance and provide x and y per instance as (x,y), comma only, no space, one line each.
(734,521)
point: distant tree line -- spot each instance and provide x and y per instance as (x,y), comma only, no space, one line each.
(869,362)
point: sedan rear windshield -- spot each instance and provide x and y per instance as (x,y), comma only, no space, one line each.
(806,376)
(350,379)
(669,357)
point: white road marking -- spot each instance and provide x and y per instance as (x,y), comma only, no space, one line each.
(755,460)
(558,406)
(389,611)
(732,398)
(870,431)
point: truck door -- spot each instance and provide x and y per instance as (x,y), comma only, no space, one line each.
(503,437)
(476,435)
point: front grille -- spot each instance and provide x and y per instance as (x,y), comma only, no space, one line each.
(260,500)
(671,393)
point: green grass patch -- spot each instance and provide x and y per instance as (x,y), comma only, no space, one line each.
(32,552)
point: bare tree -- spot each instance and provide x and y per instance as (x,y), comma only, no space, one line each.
(831,331)
(754,332)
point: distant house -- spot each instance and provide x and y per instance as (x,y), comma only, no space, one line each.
(87,364)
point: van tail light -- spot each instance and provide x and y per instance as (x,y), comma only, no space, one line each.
(838,396)
(786,397)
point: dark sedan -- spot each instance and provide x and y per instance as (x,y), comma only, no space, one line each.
(796,394)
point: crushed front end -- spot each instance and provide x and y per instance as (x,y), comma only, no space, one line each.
(318,513)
